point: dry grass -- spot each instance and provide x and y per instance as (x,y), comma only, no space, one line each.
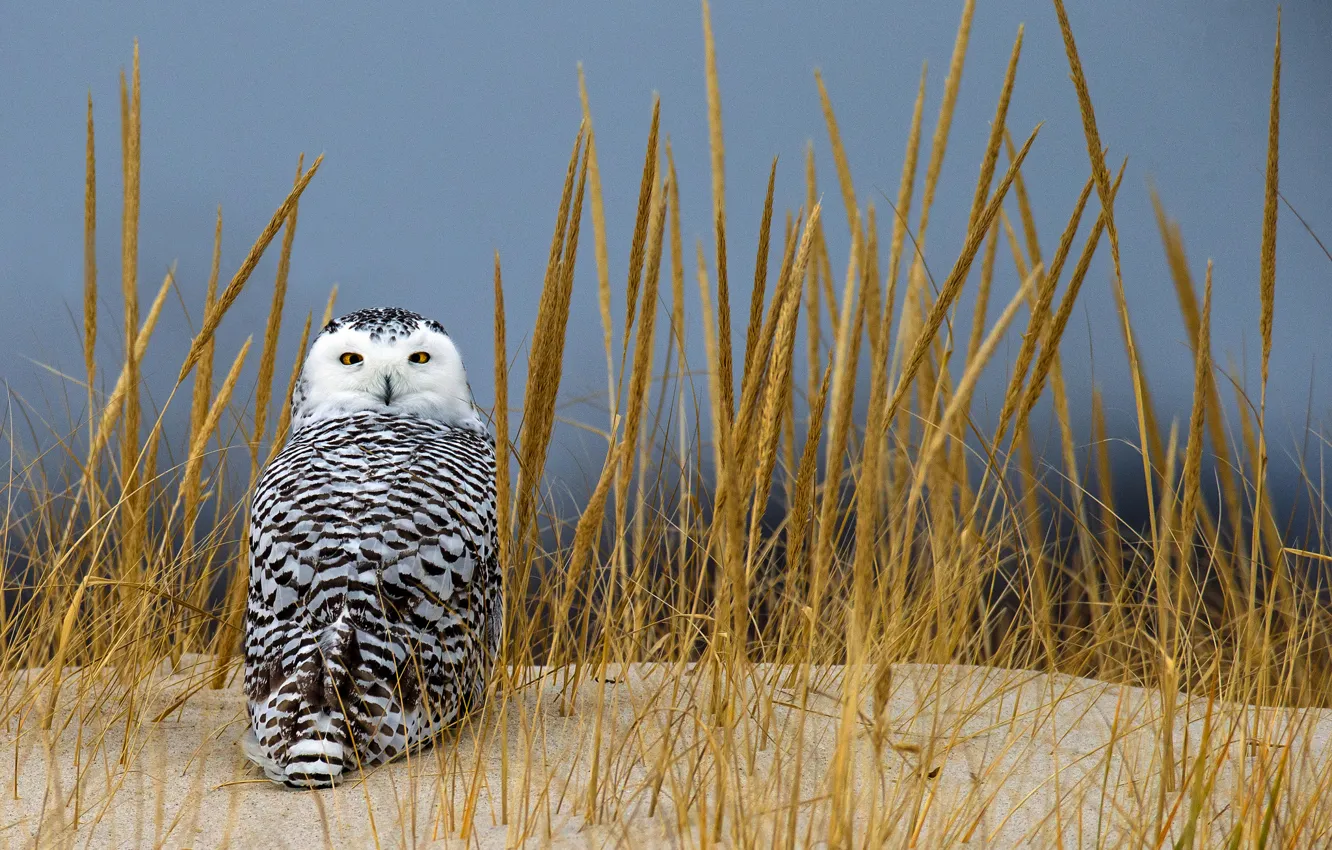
(896,658)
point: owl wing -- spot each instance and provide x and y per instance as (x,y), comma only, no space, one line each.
(441,581)
(372,537)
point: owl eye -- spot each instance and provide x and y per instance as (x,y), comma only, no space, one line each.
(350,358)
(419,357)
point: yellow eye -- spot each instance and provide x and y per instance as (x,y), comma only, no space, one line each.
(350,358)
(419,357)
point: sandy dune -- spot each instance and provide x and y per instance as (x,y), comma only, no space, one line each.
(971,756)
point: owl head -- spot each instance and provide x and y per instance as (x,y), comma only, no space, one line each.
(389,360)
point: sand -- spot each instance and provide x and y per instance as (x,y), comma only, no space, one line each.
(965,756)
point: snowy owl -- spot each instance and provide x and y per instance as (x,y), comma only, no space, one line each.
(375,604)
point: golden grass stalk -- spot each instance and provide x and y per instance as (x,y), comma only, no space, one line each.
(648,427)
(756,378)
(1059,323)
(587,535)
(715,145)
(638,248)
(997,130)
(844,365)
(1262,511)
(730,620)
(62,647)
(209,424)
(1167,621)
(1112,558)
(788,444)
(874,283)
(725,358)
(642,365)
(273,327)
(756,295)
(844,179)
(983,291)
(1024,209)
(546,358)
(203,377)
(232,292)
(776,388)
(132,498)
(129,136)
(500,418)
(864,613)
(953,285)
(1077,488)
(928,385)
(1044,626)
(684,453)
(677,258)
(961,400)
(1173,241)
(1192,479)
(803,503)
(917,299)
(1267,298)
(1067,442)
(813,317)
(284,413)
(826,278)
(600,250)
(1267,265)
(868,293)
(1027,351)
(1202,373)
(906,326)
(328,307)
(1041,321)
(902,209)
(717,150)
(90,264)
(115,403)
(647,228)
(944,124)
(192,482)
(1147,428)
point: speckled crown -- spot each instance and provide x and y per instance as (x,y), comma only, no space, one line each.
(387,323)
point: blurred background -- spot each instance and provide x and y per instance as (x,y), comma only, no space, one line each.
(446,129)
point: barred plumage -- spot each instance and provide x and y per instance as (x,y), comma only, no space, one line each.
(375,606)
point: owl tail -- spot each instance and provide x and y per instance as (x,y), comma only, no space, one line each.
(319,747)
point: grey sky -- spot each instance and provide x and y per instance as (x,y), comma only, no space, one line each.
(446,129)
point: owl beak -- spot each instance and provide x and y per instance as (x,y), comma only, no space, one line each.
(388,390)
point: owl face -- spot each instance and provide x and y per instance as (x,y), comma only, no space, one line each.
(388,360)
